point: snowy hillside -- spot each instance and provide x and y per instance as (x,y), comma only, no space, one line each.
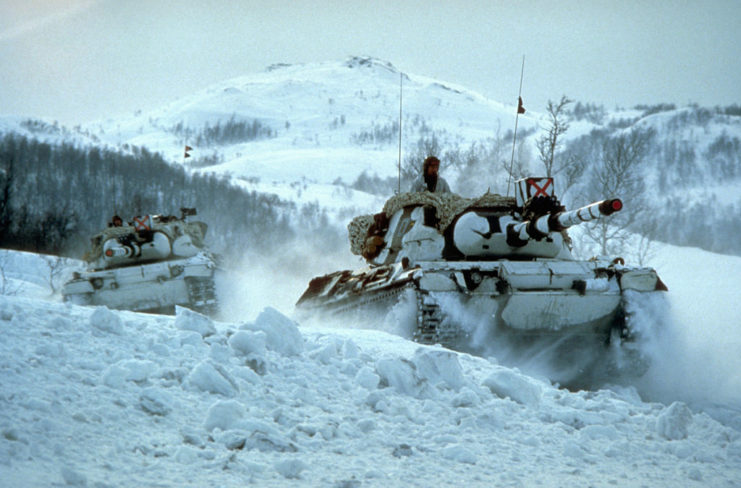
(306,132)
(296,130)
(93,397)
(328,121)
(315,111)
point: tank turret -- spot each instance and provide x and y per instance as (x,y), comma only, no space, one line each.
(151,263)
(481,233)
(146,238)
(426,226)
(505,262)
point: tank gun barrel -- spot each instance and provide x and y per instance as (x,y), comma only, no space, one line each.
(519,233)
(593,211)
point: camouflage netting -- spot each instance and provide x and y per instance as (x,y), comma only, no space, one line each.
(196,231)
(447,205)
(357,231)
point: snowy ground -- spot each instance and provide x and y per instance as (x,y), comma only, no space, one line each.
(92,397)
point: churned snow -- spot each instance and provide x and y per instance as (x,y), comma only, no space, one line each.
(94,397)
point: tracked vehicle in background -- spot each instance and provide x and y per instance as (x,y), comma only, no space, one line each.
(489,272)
(151,264)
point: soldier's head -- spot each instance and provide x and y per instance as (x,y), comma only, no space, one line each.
(431,166)
(116,221)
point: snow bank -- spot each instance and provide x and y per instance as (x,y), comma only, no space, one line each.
(507,383)
(93,397)
(29,274)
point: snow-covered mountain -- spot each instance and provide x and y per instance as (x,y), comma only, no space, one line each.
(322,118)
(335,120)
(93,397)
(317,125)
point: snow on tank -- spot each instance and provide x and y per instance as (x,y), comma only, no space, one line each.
(489,275)
(152,263)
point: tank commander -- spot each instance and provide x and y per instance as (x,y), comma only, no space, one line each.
(116,222)
(430,180)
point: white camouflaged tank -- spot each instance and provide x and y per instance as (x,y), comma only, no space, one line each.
(488,270)
(152,264)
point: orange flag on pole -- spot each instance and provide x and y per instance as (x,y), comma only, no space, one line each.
(520,108)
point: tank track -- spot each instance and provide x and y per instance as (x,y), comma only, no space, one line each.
(432,325)
(431,328)
(368,303)
(202,295)
(429,319)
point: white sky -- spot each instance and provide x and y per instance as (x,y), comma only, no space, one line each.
(79,60)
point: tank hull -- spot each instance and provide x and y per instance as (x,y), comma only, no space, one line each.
(520,307)
(154,287)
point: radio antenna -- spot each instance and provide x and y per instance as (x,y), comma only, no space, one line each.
(401,80)
(520,109)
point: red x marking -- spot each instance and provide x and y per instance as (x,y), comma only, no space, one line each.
(539,190)
(142,223)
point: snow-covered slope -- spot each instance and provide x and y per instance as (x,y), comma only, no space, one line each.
(314,111)
(328,123)
(321,122)
(93,397)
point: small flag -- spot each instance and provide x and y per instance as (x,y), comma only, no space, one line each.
(520,108)
(187,148)
(143,223)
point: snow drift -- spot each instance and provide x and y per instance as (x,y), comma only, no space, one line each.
(93,397)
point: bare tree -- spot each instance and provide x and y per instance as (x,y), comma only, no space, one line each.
(6,185)
(570,174)
(58,270)
(549,143)
(618,175)
(6,286)
(645,250)
(567,165)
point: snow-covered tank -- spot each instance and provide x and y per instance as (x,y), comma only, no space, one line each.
(151,265)
(487,271)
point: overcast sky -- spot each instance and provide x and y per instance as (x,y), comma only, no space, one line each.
(80,60)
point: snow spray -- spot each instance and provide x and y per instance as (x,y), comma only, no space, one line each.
(697,363)
(250,282)
(564,358)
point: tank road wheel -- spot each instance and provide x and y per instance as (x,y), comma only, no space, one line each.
(202,295)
